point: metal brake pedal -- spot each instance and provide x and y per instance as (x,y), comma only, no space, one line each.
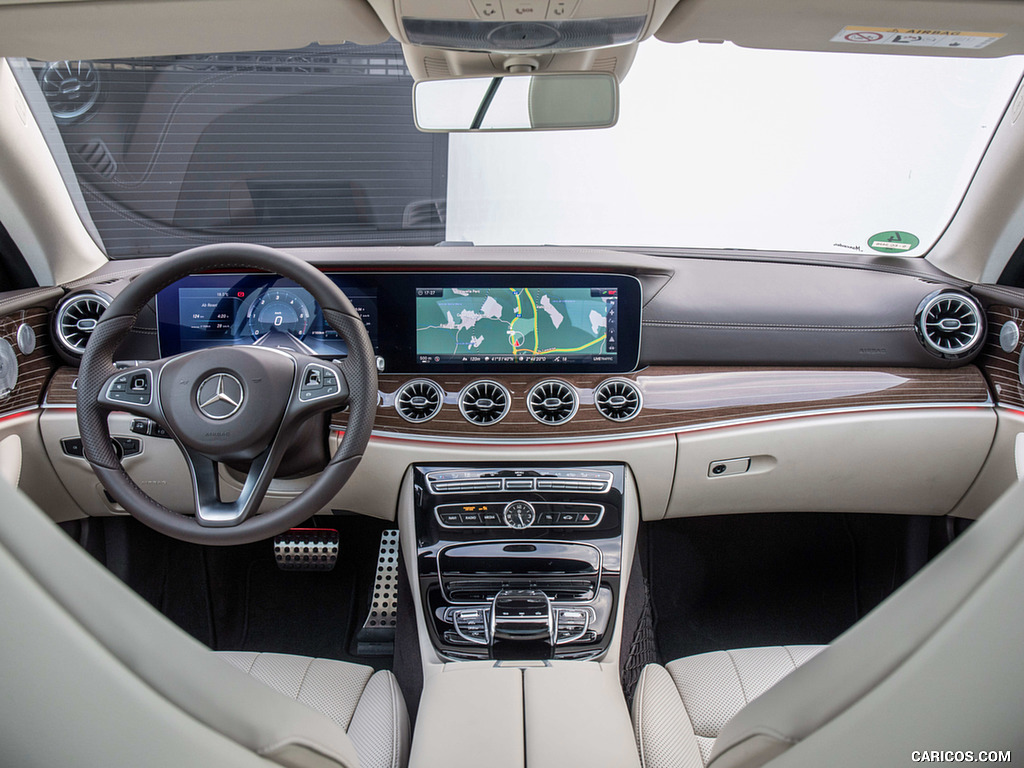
(306,549)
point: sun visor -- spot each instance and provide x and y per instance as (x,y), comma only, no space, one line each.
(87,29)
(979,28)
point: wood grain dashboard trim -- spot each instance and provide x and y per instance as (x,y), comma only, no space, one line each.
(685,399)
(1000,367)
(34,370)
(675,400)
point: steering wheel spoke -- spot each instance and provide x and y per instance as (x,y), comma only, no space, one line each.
(211,511)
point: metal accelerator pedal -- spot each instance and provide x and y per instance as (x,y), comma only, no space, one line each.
(306,549)
(377,637)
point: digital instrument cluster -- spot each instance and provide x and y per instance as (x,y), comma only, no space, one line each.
(222,310)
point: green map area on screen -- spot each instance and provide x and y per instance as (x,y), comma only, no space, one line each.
(513,321)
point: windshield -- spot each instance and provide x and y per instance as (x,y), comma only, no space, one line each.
(716,147)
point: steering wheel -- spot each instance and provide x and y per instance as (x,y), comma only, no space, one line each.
(237,404)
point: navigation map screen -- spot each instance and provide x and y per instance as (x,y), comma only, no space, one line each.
(517,325)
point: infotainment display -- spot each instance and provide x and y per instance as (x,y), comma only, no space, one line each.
(515,324)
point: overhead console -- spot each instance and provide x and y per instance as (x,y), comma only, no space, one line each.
(427,322)
(522,25)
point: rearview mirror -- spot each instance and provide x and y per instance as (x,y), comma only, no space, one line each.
(517,103)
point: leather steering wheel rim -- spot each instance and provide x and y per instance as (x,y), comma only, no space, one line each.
(357,375)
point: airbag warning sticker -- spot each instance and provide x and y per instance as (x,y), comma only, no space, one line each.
(921,38)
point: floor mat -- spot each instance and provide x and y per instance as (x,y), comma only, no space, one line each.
(741,581)
(257,606)
(237,599)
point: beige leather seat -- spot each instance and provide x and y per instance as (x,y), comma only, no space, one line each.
(679,709)
(368,705)
(936,666)
(92,675)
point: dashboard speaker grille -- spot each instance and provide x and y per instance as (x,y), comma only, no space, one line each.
(76,319)
(484,402)
(950,324)
(419,400)
(553,402)
(618,399)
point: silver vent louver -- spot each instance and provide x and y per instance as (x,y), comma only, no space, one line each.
(76,319)
(71,88)
(950,324)
(484,402)
(618,399)
(419,400)
(552,402)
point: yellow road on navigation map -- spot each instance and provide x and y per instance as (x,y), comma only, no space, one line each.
(536,334)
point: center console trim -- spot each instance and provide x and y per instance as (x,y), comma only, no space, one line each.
(596,577)
(433,663)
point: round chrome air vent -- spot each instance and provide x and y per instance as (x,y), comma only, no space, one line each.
(950,324)
(552,402)
(71,88)
(618,399)
(419,400)
(76,319)
(484,402)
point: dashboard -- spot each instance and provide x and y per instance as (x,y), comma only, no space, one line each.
(744,370)
(440,322)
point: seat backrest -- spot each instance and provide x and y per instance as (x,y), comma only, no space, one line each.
(936,666)
(92,675)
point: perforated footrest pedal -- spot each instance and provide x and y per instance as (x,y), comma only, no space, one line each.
(306,549)
(377,636)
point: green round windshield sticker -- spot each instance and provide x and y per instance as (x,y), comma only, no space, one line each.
(893,242)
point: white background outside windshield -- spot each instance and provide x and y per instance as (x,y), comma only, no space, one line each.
(724,147)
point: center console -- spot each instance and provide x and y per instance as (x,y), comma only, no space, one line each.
(519,561)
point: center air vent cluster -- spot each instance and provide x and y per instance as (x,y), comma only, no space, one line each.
(950,324)
(553,402)
(76,319)
(618,399)
(484,402)
(419,400)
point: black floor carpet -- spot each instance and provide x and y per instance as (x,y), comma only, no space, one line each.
(741,581)
(236,598)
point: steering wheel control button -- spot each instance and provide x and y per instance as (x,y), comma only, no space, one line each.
(134,388)
(318,381)
(220,396)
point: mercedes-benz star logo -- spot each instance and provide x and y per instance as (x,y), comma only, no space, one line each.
(220,396)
